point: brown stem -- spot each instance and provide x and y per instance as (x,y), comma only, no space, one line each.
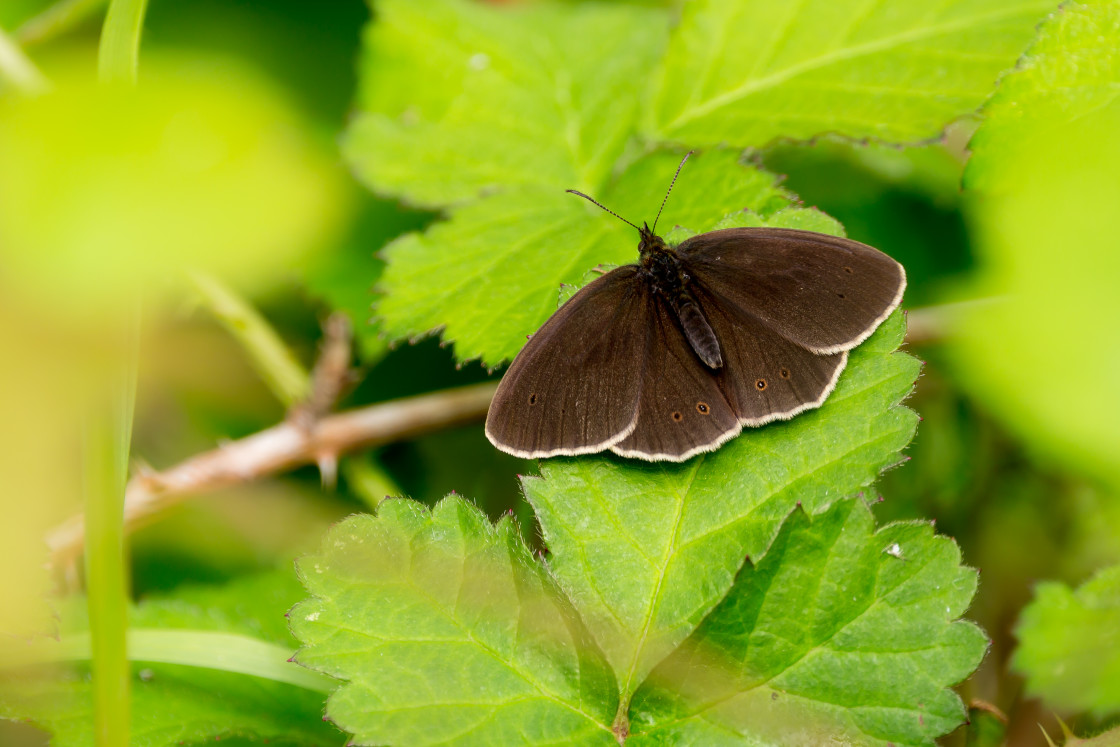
(279,448)
(330,375)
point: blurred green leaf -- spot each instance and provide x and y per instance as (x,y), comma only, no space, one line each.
(107,191)
(498,263)
(458,98)
(14,12)
(903,201)
(646,550)
(309,48)
(841,634)
(174,704)
(1069,644)
(750,71)
(448,632)
(1046,160)
(1072,70)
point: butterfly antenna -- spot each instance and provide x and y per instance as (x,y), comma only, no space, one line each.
(669,191)
(596,202)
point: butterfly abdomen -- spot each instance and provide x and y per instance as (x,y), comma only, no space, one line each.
(699,333)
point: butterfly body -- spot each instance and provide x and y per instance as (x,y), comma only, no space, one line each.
(674,355)
(661,267)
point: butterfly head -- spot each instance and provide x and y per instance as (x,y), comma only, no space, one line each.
(650,243)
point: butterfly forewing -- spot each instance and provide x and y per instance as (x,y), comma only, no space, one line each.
(574,388)
(682,410)
(822,292)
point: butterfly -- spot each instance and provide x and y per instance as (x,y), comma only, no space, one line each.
(674,355)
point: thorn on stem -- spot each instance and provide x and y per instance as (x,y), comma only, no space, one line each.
(328,470)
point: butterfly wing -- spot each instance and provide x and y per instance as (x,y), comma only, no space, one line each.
(682,409)
(765,376)
(574,387)
(822,292)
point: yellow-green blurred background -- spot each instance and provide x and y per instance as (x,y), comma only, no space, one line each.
(225,161)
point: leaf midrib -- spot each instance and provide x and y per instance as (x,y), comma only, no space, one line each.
(670,552)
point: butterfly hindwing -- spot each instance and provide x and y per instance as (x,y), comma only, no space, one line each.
(766,377)
(574,387)
(682,410)
(822,292)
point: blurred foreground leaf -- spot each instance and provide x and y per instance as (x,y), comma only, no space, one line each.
(1071,70)
(1069,645)
(175,704)
(1045,354)
(107,191)
(42,388)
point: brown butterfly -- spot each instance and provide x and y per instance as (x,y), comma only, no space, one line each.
(672,356)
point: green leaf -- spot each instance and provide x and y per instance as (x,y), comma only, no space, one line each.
(458,98)
(839,634)
(1071,70)
(448,632)
(175,704)
(1049,245)
(497,265)
(1067,645)
(804,219)
(750,71)
(646,550)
